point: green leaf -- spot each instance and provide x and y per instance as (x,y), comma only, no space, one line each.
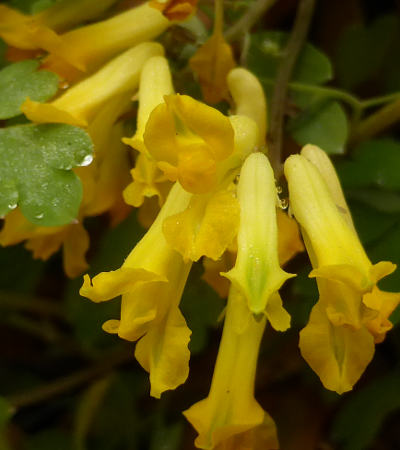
(50,439)
(358,423)
(266,52)
(21,80)
(35,171)
(362,51)
(375,163)
(325,126)
(6,411)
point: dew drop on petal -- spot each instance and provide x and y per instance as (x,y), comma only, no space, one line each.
(12,206)
(86,160)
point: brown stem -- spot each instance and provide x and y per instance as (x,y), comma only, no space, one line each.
(295,43)
(246,22)
(70,382)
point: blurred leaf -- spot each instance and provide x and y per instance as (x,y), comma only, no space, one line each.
(325,126)
(88,407)
(20,272)
(35,171)
(383,201)
(359,421)
(6,411)
(201,308)
(266,52)
(49,440)
(31,6)
(21,80)
(305,295)
(87,317)
(167,437)
(362,50)
(370,223)
(373,163)
(3,49)
(118,423)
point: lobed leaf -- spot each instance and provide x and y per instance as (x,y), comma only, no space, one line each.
(35,171)
(21,80)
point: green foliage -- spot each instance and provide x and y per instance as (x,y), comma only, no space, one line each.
(35,171)
(374,163)
(21,80)
(50,440)
(359,421)
(319,121)
(266,52)
(324,125)
(368,52)
(85,316)
(201,307)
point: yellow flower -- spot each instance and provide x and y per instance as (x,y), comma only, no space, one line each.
(338,341)
(151,281)
(230,418)
(257,273)
(148,180)
(79,104)
(188,138)
(213,60)
(210,223)
(249,98)
(116,34)
(175,9)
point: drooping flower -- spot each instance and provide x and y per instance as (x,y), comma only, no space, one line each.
(79,104)
(148,179)
(257,273)
(188,138)
(213,61)
(351,313)
(116,34)
(230,418)
(249,99)
(151,281)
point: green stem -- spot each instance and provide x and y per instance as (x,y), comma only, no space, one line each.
(246,22)
(377,122)
(292,50)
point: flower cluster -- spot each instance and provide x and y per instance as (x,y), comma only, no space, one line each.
(205,188)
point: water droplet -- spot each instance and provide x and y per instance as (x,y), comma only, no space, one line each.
(279,189)
(39,216)
(284,203)
(12,206)
(86,160)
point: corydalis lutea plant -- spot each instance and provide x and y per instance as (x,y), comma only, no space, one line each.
(212,195)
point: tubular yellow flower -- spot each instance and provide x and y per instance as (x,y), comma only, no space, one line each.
(116,34)
(155,82)
(79,104)
(210,223)
(187,138)
(21,31)
(151,281)
(338,341)
(257,273)
(213,60)
(148,180)
(230,418)
(248,96)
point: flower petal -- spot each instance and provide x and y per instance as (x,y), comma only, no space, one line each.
(338,355)
(206,228)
